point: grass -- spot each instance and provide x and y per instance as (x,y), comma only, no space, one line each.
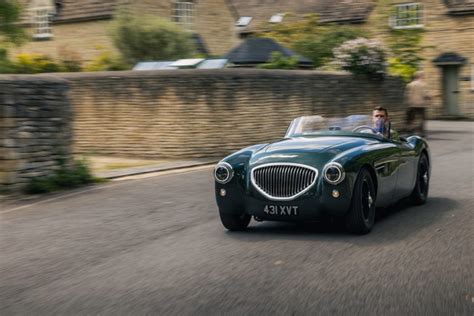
(66,177)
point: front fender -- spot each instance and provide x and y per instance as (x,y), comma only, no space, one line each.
(233,202)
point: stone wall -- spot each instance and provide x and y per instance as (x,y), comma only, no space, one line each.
(35,127)
(203,113)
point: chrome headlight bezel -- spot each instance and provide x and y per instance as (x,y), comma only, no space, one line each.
(228,168)
(338,166)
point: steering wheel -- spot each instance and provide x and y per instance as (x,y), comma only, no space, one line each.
(364,127)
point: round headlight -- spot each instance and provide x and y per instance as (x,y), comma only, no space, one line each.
(223,172)
(333,173)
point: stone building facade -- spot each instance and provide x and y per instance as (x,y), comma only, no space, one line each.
(446,28)
(80,27)
(447,35)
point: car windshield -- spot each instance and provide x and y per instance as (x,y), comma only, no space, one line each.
(314,125)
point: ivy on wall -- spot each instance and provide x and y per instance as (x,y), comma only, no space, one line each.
(404,45)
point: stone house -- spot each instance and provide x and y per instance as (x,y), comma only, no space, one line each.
(80,27)
(446,28)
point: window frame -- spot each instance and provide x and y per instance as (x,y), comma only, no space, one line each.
(42,18)
(182,13)
(420,16)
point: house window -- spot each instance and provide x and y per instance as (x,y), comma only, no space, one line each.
(183,13)
(407,15)
(42,23)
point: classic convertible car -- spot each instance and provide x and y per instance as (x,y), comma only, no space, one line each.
(336,167)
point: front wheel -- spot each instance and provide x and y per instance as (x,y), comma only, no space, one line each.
(235,222)
(420,192)
(361,216)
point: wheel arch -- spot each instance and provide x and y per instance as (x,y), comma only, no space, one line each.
(373,175)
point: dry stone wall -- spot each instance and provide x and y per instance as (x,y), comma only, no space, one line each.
(210,113)
(35,127)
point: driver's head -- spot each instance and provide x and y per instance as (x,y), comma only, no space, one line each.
(379,113)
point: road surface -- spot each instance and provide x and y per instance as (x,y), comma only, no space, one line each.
(156,246)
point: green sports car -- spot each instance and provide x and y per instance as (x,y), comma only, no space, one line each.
(337,167)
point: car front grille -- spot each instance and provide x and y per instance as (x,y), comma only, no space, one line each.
(284,181)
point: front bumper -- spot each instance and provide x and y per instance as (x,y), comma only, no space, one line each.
(313,205)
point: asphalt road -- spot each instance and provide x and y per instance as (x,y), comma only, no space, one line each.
(156,246)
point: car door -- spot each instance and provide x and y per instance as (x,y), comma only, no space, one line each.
(386,167)
(407,170)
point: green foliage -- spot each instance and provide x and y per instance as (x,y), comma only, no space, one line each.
(37,63)
(278,61)
(319,48)
(147,37)
(10,31)
(106,61)
(404,45)
(406,50)
(309,38)
(66,177)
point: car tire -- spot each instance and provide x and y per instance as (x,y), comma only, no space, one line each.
(234,222)
(361,216)
(422,185)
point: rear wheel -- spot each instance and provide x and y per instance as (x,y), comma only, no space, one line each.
(235,222)
(420,192)
(361,216)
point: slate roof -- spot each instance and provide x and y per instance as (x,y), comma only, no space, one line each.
(255,51)
(85,9)
(459,7)
(77,10)
(354,11)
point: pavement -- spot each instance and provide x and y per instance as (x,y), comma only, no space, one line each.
(153,244)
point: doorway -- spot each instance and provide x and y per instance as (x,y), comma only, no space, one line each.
(451,89)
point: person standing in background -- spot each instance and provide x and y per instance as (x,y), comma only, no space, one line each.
(417,99)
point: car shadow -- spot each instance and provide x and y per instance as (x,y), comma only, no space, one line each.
(392,224)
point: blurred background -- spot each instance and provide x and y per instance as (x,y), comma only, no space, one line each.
(144,97)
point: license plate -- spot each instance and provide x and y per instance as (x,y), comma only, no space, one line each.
(285,210)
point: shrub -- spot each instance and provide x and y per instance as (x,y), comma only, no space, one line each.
(278,61)
(147,37)
(37,63)
(106,61)
(66,177)
(319,47)
(362,57)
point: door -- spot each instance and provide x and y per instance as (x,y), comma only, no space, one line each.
(450,90)
(407,170)
(387,168)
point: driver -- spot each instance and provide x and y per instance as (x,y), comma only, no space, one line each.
(380,119)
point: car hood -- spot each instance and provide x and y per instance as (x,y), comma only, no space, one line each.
(312,151)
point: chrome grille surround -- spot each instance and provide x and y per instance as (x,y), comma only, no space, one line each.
(283,181)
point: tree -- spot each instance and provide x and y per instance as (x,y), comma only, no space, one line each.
(10,12)
(310,38)
(147,37)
